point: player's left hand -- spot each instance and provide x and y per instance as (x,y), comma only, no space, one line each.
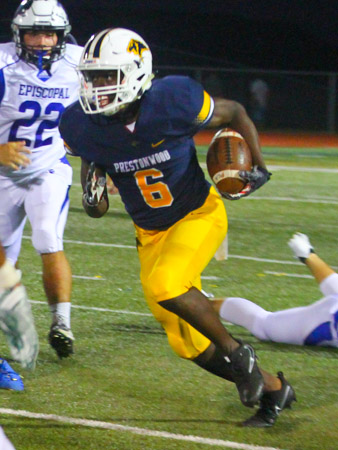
(254,178)
(96,186)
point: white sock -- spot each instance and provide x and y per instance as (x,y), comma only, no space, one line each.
(61,310)
(245,313)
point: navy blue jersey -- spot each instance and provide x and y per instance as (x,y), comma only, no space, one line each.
(154,166)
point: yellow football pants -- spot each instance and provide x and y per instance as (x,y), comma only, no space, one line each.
(172,262)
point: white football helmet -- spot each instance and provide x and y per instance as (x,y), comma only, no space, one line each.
(40,15)
(121,58)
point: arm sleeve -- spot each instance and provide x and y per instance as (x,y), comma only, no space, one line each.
(190,106)
(329,286)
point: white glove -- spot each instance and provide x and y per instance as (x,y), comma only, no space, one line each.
(301,246)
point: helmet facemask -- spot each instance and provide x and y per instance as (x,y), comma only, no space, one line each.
(43,56)
(40,16)
(115,93)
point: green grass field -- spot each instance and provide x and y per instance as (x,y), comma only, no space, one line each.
(124,388)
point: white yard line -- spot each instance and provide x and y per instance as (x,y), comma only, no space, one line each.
(294,200)
(83,277)
(266,260)
(303,169)
(285,168)
(291,275)
(93,308)
(113,311)
(133,430)
(249,258)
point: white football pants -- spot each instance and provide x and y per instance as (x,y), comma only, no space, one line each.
(44,201)
(315,324)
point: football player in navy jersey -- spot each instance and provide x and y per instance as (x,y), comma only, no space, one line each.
(38,80)
(314,324)
(139,131)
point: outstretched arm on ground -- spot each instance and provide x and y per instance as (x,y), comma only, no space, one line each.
(319,269)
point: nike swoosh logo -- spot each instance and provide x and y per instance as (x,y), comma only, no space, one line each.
(157,143)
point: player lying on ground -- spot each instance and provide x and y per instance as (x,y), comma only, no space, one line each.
(139,131)
(315,324)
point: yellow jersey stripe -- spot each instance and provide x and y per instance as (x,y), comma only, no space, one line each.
(207,108)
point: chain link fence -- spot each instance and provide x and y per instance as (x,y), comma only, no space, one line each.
(275,100)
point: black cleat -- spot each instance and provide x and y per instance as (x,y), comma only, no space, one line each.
(246,374)
(61,339)
(271,404)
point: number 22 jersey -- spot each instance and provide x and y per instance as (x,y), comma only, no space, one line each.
(153,163)
(31,104)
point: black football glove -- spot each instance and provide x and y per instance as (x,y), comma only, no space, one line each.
(96,187)
(254,178)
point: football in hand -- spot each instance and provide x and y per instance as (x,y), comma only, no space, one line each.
(227,155)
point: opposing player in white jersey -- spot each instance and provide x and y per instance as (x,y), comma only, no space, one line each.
(315,324)
(38,81)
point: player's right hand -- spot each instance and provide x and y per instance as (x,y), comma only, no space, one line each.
(96,186)
(301,246)
(14,155)
(254,179)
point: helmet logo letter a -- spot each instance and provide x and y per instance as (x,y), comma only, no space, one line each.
(136,47)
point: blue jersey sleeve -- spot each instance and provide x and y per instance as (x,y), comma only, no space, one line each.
(184,102)
(71,128)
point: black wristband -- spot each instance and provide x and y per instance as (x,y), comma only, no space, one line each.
(303,260)
(266,172)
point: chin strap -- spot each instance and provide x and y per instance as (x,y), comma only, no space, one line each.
(40,54)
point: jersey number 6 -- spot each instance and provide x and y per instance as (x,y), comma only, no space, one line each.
(156,195)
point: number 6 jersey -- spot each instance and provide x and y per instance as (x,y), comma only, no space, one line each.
(31,104)
(152,162)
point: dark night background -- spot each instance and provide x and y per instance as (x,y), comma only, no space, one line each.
(262,34)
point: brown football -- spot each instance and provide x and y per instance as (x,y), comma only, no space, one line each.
(228,153)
